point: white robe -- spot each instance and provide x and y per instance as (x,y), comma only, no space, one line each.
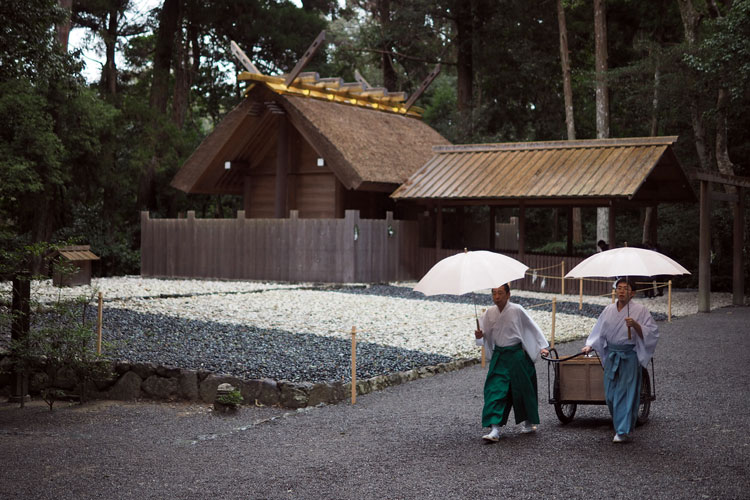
(511,326)
(610,328)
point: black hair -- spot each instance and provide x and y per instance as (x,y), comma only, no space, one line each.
(628,281)
(506,286)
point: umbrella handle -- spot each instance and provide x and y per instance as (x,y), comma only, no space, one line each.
(629,337)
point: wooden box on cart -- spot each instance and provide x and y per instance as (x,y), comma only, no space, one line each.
(581,379)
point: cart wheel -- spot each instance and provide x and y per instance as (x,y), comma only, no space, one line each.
(565,411)
(645,407)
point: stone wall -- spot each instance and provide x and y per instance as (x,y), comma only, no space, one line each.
(134,381)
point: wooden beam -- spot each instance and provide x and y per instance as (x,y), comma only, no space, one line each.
(732,180)
(704,253)
(426,83)
(720,196)
(580,143)
(242,57)
(361,79)
(282,168)
(309,53)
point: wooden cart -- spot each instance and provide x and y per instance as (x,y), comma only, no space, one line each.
(579,379)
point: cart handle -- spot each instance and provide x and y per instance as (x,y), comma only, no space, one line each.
(560,360)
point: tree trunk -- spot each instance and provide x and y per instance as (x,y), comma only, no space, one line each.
(648,236)
(569,116)
(464,28)
(63,29)
(602,102)
(182,81)
(565,61)
(168,24)
(390,81)
(109,70)
(165,37)
(691,19)
(723,162)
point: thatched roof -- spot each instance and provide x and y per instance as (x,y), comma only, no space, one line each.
(363,145)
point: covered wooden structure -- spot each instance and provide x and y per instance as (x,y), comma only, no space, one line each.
(71,265)
(627,172)
(319,146)
(736,198)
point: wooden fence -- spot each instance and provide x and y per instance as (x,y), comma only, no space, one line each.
(348,250)
(328,250)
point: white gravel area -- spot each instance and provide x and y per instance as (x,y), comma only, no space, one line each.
(429,326)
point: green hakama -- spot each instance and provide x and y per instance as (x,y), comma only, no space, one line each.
(510,383)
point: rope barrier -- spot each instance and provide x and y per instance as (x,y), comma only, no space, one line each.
(553,303)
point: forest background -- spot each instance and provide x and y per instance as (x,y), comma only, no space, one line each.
(80,158)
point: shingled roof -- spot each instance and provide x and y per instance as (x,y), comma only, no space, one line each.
(365,135)
(582,172)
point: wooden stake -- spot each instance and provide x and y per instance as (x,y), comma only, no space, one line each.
(554,313)
(482,354)
(354,364)
(562,278)
(669,302)
(580,294)
(99,328)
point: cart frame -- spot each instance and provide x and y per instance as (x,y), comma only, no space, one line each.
(579,380)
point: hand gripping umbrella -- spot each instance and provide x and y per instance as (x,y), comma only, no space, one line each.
(626,261)
(470,271)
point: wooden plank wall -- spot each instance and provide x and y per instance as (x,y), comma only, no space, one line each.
(316,250)
(293,249)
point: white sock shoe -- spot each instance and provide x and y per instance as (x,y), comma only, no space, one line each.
(494,434)
(527,427)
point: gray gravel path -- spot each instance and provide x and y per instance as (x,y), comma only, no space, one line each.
(417,440)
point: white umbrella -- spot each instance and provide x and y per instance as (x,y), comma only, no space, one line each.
(626,261)
(470,271)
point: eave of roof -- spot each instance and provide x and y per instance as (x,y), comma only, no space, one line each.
(587,171)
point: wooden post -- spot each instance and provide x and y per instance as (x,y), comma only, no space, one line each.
(482,354)
(99,328)
(669,301)
(354,364)
(704,249)
(738,243)
(521,231)
(554,312)
(580,294)
(282,168)
(562,278)
(439,227)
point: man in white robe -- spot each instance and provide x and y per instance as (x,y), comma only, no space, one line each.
(512,342)
(623,357)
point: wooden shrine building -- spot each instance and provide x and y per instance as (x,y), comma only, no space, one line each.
(319,146)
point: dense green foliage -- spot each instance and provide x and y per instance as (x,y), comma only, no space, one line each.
(80,159)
